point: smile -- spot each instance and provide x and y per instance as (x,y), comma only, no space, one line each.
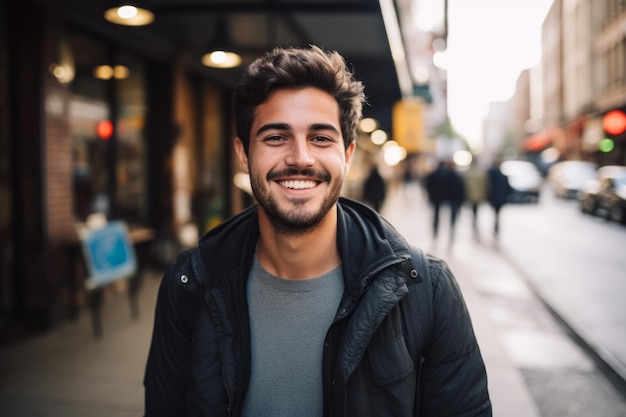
(298,185)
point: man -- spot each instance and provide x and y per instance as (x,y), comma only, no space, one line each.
(498,192)
(476,190)
(374,186)
(445,186)
(292,308)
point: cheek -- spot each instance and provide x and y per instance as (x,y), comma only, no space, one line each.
(344,163)
(335,163)
(259,165)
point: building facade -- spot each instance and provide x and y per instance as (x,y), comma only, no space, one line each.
(92,125)
(583,78)
(100,120)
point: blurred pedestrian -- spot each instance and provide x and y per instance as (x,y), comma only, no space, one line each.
(476,188)
(296,306)
(374,187)
(445,187)
(498,192)
(411,179)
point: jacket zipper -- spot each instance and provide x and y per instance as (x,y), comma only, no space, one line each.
(365,281)
(198,270)
(329,381)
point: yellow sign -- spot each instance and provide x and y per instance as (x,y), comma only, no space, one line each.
(408,124)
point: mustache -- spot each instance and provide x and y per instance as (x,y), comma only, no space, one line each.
(322,176)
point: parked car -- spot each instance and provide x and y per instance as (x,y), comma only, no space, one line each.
(605,195)
(525,179)
(566,178)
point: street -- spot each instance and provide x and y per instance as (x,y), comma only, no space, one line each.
(565,263)
(577,263)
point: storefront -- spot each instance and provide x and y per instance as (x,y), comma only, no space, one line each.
(93,127)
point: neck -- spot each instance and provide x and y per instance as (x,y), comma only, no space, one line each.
(299,255)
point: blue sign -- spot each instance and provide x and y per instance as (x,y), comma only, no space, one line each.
(109,254)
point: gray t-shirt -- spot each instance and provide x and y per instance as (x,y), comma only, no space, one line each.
(289,320)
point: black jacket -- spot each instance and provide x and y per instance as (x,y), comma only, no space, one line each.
(199,360)
(498,187)
(444,184)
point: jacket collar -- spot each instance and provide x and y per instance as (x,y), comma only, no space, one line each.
(365,240)
(367,243)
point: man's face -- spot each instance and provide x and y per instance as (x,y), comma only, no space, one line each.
(296,159)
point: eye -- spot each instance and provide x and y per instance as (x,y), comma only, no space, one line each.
(322,140)
(274,139)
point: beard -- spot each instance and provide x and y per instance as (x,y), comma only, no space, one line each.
(298,218)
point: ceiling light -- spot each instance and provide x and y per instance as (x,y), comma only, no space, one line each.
(103,72)
(120,72)
(221,59)
(106,72)
(220,51)
(129,15)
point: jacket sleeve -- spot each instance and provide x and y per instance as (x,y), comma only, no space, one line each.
(454,379)
(168,369)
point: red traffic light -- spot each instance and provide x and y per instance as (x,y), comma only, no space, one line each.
(614,122)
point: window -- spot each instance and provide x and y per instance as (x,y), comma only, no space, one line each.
(131,155)
(106,116)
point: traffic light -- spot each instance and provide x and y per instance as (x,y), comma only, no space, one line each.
(606,145)
(614,122)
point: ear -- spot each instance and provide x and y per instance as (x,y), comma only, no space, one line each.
(241,155)
(349,155)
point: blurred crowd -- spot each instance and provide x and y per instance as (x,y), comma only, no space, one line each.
(451,186)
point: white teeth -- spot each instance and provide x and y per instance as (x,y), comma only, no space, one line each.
(298,185)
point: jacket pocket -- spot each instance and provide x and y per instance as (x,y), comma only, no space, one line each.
(391,362)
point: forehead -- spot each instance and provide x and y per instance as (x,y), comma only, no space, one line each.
(297,104)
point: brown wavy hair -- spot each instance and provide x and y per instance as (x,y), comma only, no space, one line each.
(299,68)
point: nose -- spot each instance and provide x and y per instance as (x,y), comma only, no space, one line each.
(300,153)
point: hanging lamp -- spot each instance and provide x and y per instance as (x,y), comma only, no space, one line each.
(221,53)
(130,13)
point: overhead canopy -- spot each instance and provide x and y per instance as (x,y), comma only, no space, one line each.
(185,28)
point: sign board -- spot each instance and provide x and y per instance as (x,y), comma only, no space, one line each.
(109,254)
(408,124)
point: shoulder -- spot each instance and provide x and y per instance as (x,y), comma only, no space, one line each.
(229,245)
(451,317)
(443,286)
(439,273)
(180,278)
(439,270)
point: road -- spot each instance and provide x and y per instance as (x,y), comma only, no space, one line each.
(543,270)
(577,264)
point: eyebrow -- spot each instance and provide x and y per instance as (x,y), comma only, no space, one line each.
(323,126)
(272,126)
(286,126)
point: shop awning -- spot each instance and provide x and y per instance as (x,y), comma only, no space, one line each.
(538,141)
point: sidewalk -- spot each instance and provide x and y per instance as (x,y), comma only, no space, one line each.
(476,268)
(69,373)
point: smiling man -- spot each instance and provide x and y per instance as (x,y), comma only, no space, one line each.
(298,305)
(300,160)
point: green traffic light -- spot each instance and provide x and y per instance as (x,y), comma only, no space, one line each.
(606,145)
